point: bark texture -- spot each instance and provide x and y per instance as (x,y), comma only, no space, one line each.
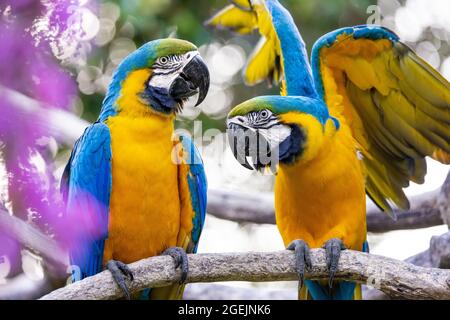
(393,277)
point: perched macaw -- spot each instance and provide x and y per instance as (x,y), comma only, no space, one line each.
(361,120)
(136,191)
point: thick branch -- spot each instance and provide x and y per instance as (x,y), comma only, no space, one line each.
(241,207)
(435,257)
(32,238)
(395,278)
(64,126)
(425,211)
(443,200)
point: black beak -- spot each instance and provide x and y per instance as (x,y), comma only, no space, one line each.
(239,140)
(193,79)
(249,143)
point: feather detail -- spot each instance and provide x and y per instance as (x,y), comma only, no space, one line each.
(397,106)
(234,18)
(86,187)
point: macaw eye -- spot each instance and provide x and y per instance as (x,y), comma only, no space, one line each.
(264,114)
(163,60)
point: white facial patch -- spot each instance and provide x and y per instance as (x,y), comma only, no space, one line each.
(276,134)
(167,69)
(241,121)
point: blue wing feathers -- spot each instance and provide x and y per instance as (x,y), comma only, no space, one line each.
(197,188)
(299,80)
(86,187)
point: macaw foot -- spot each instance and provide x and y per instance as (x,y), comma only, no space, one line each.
(302,259)
(333,249)
(181,260)
(120,271)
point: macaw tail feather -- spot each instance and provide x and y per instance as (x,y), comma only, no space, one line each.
(172,292)
(341,290)
(319,290)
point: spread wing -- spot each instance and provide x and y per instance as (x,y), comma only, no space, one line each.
(280,55)
(395,103)
(244,17)
(238,17)
(86,188)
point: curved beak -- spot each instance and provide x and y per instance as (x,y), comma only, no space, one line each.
(193,79)
(247,142)
(239,141)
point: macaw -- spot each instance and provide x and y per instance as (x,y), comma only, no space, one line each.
(361,118)
(131,189)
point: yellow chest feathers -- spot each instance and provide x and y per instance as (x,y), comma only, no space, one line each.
(324,197)
(144,205)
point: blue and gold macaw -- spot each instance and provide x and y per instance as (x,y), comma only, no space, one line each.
(361,120)
(131,189)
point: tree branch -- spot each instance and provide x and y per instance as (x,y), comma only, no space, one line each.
(443,200)
(64,126)
(395,278)
(424,213)
(426,210)
(32,238)
(437,256)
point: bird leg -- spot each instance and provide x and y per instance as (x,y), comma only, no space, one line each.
(181,260)
(333,249)
(302,259)
(120,271)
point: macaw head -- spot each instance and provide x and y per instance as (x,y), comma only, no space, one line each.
(273,130)
(158,77)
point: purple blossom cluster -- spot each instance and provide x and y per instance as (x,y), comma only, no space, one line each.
(28,67)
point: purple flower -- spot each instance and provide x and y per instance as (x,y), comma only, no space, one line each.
(28,67)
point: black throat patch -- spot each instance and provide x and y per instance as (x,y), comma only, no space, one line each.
(158,99)
(293,146)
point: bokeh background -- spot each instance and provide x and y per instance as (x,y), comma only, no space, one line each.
(84,41)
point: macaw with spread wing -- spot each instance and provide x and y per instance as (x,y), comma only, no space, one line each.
(360,119)
(132,189)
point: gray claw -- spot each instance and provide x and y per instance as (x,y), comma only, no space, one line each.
(181,260)
(119,271)
(302,259)
(333,249)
